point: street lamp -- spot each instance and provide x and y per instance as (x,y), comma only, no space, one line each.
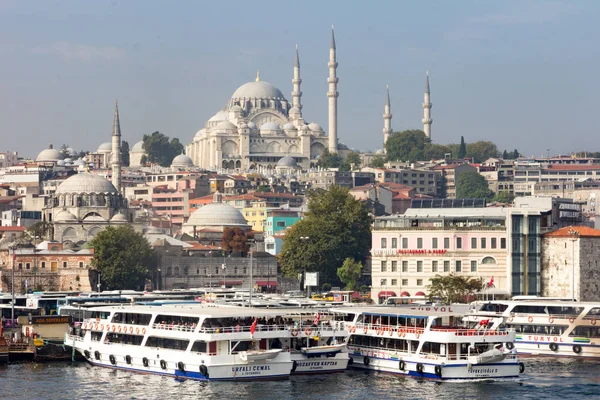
(304,238)
(381,283)
(98,284)
(574,235)
(12,287)
(251,242)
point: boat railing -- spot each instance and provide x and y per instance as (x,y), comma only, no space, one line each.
(240,328)
(474,332)
(549,316)
(175,327)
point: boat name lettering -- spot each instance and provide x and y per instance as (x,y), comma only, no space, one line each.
(545,338)
(483,370)
(441,309)
(317,363)
(251,368)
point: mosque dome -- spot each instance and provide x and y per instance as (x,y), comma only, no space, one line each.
(251,125)
(60,163)
(138,147)
(287,162)
(220,116)
(105,147)
(257,90)
(217,214)
(84,183)
(226,125)
(94,218)
(294,110)
(289,127)
(313,126)
(49,154)
(119,218)
(236,108)
(65,216)
(380,152)
(182,161)
(270,126)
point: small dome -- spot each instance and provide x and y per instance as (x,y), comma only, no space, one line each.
(94,218)
(314,127)
(287,162)
(380,152)
(220,116)
(225,126)
(68,160)
(257,90)
(105,147)
(294,111)
(217,214)
(138,147)
(65,216)
(251,125)
(270,126)
(49,154)
(72,152)
(200,134)
(235,108)
(289,127)
(119,217)
(84,182)
(182,161)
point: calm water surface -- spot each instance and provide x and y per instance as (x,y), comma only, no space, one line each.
(543,379)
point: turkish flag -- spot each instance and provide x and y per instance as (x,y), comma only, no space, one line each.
(253,327)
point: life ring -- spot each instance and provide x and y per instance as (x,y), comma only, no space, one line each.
(521,367)
(137,330)
(163,364)
(577,349)
(571,319)
(530,319)
(401,365)
(204,370)
(114,328)
(365,330)
(131,329)
(551,319)
(593,321)
(128,359)
(391,332)
(294,366)
(121,329)
(438,370)
(181,366)
(294,332)
(352,329)
(308,331)
(143,331)
(510,345)
(420,368)
(366,361)
(112,359)
(145,362)
(553,346)
(399,332)
(97,355)
(511,319)
(418,335)
(101,327)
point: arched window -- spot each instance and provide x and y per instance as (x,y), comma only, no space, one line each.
(185,271)
(176,271)
(488,260)
(169,271)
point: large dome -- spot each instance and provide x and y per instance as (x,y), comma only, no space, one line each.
(257,90)
(287,162)
(182,161)
(84,182)
(105,147)
(217,214)
(49,154)
(138,147)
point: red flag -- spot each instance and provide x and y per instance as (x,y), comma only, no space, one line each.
(253,327)
(317,319)
(491,283)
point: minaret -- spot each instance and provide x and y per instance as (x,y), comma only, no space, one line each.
(296,93)
(427,121)
(332,94)
(387,118)
(116,150)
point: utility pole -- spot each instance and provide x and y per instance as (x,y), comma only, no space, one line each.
(12,288)
(304,238)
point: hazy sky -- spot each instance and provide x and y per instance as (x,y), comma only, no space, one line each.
(520,73)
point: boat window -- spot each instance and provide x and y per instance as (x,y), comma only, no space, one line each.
(586,331)
(540,329)
(120,338)
(166,343)
(132,318)
(236,347)
(176,321)
(100,314)
(199,346)
(96,336)
(594,311)
(431,348)
(494,307)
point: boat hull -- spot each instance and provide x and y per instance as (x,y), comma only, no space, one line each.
(319,365)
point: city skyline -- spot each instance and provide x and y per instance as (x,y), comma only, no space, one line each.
(510,73)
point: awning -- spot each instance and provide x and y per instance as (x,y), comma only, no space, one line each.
(386,293)
(419,294)
(224,283)
(267,283)
(405,294)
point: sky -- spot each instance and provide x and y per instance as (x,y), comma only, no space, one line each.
(523,74)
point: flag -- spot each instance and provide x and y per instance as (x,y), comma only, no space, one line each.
(317,319)
(491,283)
(484,322)
(253,327)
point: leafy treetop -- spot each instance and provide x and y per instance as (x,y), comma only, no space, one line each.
(453,288)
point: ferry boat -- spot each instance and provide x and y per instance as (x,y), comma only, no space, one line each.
(427,342)
(202,342)
(545,327)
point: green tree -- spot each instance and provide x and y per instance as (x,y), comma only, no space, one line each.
(263,189)
(406,146)
(336,227)
(235,239)
(515,154)
(123,257)
(504,197)
(40,230)
(378,161)
(505,155)
(462,150)
(64,152)
(436,151)
(472,185)
(481,150)
(329,160)
(159,150)
(125,153)
(353,158)
(344,167)
(349,273)
(453,288)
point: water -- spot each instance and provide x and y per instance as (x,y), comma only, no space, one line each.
(544,378)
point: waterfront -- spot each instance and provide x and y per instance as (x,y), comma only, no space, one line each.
(544,378)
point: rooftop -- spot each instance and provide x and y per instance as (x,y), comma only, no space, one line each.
(574,231)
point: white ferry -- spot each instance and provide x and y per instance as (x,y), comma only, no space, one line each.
(204,342)
(546,327)
(427,342)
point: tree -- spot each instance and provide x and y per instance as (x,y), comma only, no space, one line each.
(40,230)
(462,150)
(329,160)
(123,257)
(125,153)
(160,150)
(504,197)
(453,288)
(235,240)
(471,185)
(515,154)
(353,158)
(349,273)
(263,189)
(406,146)
(64,151)
(505,155)
(344,167)
(336,227)
(436,151)
(378,161)
(481,150)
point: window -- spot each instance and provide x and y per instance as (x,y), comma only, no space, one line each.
(446,266)
(494,243)
(405,243)
(459,243)
(434,266)
(419,243)
(383,243)
(473,243)
(43,264)
(404,266)
(281,223)
(20,265)
(394,243)
(394,266)
(502,243)
(394,282)
(419,282)
(434,243)
(404,282)
(446,243)
(80,264)
(483,243)
(65,264)
(473,266)
(383,266)
(419,266)
(458,266)
(384,282)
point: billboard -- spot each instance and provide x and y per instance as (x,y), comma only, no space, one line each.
(311,279)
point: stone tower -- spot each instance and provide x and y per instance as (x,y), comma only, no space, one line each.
(332,94)
(387,118)
(427,121)
(296,93)
(116,150)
